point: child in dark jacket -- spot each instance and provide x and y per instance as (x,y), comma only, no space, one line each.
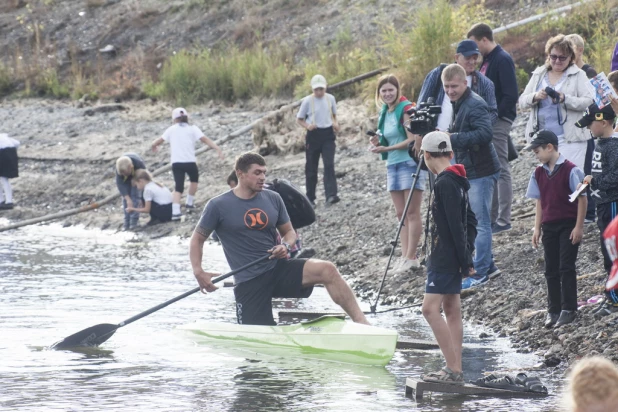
(561,224)
(449,256)
(603,181)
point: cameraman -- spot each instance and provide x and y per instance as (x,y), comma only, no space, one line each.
(471,134)
(467,56)
(569,84)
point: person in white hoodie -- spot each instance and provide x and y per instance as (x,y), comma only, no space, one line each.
(572,97)
(9,168)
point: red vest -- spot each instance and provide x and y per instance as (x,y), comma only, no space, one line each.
(555,191)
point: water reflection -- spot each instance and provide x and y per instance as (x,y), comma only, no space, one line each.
(55,282)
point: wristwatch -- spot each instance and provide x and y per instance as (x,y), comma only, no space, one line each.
(287,245)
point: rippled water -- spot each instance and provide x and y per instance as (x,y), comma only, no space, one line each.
(56,281)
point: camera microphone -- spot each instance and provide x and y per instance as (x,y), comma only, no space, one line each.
(431,101)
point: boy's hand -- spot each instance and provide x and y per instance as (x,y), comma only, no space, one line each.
(130,209)
(588,179)
(336,127)
(536,236)
(576,235)
(311,127)
(614,103)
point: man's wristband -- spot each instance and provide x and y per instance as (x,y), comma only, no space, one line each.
(287,246)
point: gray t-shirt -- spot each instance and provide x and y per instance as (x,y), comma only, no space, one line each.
(318,111)
(247,228)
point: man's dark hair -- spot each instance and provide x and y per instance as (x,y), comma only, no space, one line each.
(232,178)
(480,30)
(182,119)
(245,160)
(437,155)
(544,146)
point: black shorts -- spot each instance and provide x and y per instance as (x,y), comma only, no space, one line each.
(443,284)
(254,297)
(179,170)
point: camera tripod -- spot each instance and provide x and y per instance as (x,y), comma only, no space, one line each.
(393,243)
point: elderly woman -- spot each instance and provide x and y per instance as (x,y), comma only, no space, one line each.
(572,96)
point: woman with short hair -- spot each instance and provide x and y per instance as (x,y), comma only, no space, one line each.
(571,96)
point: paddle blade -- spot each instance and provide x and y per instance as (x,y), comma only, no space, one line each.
(92,336)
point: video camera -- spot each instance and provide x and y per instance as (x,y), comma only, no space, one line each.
(552,93)
(424,117)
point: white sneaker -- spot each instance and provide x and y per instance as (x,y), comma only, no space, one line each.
(409,264)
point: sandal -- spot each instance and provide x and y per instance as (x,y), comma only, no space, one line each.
(483,381)
(446,376)
(506,383)
(532,383)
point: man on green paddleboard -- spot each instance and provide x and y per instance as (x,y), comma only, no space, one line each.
(247,220)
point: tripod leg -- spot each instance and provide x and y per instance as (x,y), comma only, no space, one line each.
(398,233)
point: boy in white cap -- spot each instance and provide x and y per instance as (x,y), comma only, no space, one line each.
(318,114)
(449,255)
(182,137)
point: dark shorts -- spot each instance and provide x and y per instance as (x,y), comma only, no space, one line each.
(254,297)
(442,284)
(179,170)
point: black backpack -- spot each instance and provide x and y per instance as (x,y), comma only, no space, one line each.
(296,203)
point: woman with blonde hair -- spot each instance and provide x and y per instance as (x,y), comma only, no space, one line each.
(157,198)
(126,165)
(392,145)
(593,386)
(558,93)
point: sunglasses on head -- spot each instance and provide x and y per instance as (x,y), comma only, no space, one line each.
(555,57)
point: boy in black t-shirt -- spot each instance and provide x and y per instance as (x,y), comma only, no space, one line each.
(449,256)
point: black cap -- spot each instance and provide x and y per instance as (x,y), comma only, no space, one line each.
(467,48)
(543,137)
(594,113)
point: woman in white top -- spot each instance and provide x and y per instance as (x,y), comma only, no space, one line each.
(573,96)
(182,137)
(157,198)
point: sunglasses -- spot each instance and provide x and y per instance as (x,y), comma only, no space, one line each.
(555,57)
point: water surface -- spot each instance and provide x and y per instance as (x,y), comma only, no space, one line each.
(55,281)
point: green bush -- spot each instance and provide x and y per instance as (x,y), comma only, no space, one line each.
(225,75)
(49,84)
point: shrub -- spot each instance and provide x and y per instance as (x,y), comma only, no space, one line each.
(6,83)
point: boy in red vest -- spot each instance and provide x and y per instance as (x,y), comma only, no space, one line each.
(561,224)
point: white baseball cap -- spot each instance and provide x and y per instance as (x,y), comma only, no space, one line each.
(436,142)
(318,81)
(179,112)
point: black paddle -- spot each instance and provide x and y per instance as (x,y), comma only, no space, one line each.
(96,335)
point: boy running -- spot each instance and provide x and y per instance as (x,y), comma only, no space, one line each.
(182,137)
(603,181)
(449,256)
(561,224)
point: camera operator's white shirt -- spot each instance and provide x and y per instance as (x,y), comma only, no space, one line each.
(444,119)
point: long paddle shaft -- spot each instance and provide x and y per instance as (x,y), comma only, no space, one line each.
(399,227)
(95,335)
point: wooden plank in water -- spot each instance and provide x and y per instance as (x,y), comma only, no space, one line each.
(407,343)
(308,315)
(416,388)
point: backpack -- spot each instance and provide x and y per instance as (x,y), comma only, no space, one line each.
(296,203)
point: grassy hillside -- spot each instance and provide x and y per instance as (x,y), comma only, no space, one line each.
(190,51)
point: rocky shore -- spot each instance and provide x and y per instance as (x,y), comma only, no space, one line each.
(68,152)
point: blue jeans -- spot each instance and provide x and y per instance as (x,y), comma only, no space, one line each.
(131,219)
(481,194)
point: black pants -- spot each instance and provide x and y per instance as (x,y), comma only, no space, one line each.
(605,214)
(162,213)
(590,212)
(320,142)
(179,170)
(560,257)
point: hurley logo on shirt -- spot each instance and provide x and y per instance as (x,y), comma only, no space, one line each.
(256,219)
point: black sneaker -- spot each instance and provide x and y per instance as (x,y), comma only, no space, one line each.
(177,216)
(606,310)
(496,228)
(189,206)
(493,271)
(566,317)
(332,200)
(599,307)
(6,206)
(551,319)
